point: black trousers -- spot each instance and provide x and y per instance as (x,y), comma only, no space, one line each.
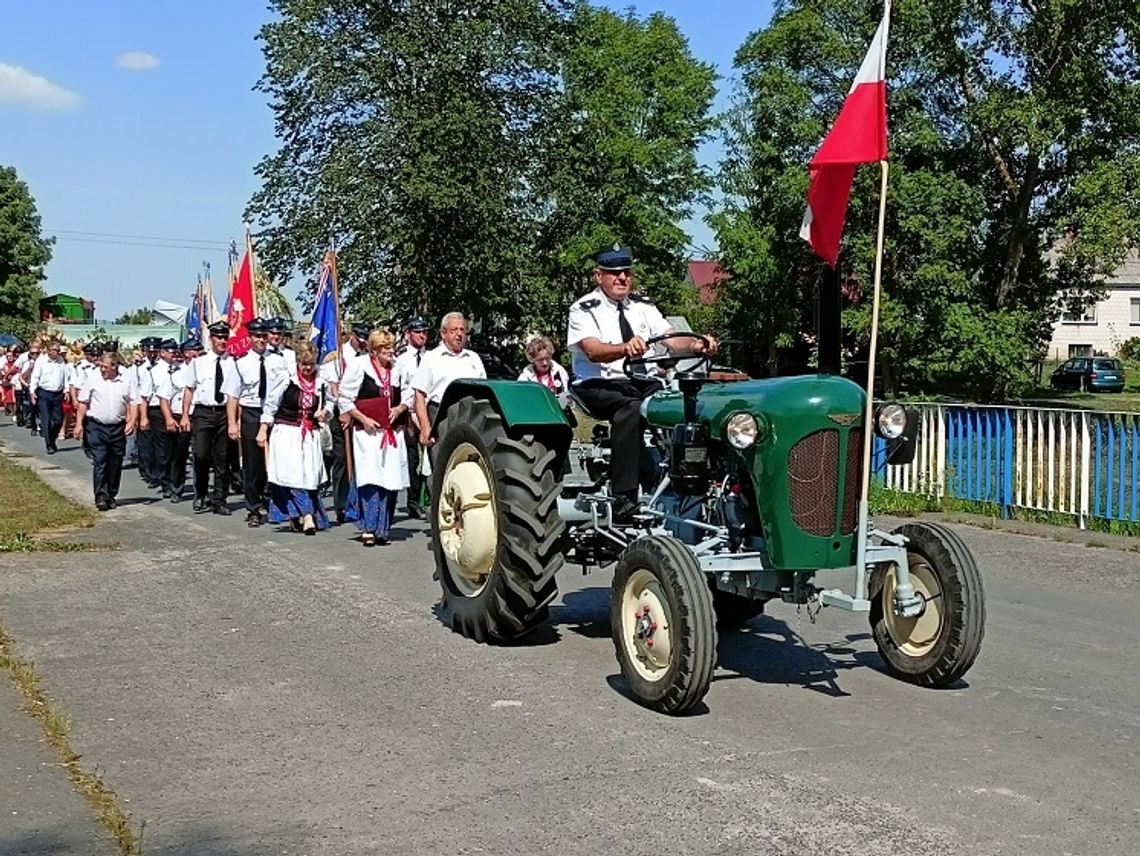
(618,400)
(415,480)
(161,447)
(108,446)
(210,436)
(144,445)
(31,412)
(179,454)
(253,476)
(50,407)
(339,474)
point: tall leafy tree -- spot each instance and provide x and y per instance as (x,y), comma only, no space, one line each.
(24,253)
(1015,138)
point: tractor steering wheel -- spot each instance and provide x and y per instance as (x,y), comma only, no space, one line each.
(668,359)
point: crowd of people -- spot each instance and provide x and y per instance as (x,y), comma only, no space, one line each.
(288,431)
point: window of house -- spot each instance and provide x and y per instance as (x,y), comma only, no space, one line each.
(1080,351)
(1083,315)
(1134,305)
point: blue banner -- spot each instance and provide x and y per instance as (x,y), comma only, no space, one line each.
(323,330)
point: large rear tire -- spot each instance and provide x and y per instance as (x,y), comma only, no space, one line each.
(497,535)
(663,624)
(939,646)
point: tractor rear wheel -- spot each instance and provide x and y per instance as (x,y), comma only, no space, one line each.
(497,536)
(937,647)
(663,624)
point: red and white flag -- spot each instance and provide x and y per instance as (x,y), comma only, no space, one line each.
(858,136)
(242,308)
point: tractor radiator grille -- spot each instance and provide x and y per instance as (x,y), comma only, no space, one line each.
(850,516)
(813,481)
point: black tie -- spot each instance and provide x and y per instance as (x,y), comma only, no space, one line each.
(418,355)
(623,324)
(261,380)
(218,381)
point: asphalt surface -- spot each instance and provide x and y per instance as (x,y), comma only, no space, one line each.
(259,692)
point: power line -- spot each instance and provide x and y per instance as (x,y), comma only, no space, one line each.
(62,232)
(201,249)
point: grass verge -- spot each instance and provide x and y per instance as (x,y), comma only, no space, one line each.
(37,508)
(56,729)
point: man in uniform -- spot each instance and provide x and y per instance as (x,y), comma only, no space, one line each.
(205,380)
(107,411)
(255,373)
(169,389)
(163,428)
(145,439)
(90,364)
(356,346)
(449,361)
(408,361)
(605,327)
(277,331)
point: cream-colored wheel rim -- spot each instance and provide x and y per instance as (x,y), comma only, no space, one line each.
(915,637)
(645,625)
(467,524)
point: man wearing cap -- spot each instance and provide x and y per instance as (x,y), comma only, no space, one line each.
(144,386)
(255,373)
(605,327)
(170,384)
(277,330)
(205,380)
(107,412)
(80,371)
(449,361)
(162,427)
(355,348)
(408,361)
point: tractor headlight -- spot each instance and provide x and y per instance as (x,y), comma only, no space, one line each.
(890,421)
(741,430)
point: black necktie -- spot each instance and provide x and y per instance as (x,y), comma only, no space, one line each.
(218,381)
(623,324)
(261,380)
(419,354)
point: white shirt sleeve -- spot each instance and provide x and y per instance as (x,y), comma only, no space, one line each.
(581,324)
(350,386)
(273,393)
(84,394)
(480,372)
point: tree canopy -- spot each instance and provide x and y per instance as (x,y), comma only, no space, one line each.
(24,253)
(142,315)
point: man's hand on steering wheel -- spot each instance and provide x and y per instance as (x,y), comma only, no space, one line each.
(635,347)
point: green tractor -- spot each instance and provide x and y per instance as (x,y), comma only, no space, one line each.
(755,489)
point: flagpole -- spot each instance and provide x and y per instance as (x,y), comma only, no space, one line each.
(868,413)
(252,271)
(348,429)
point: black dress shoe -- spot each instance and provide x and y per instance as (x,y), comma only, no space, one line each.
(175,497)
(199,503)
(223,510)
(167,493)
(340,517)
(624,509)
(102,505)
(111,502)
(415,512)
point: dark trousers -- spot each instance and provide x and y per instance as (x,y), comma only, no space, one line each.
(144,444)
(160,447)
(108,445)
(618,400)
(210,432)
(339,474)
(253,476)
(23,406)
(415,480)
(179,454)
(50,406)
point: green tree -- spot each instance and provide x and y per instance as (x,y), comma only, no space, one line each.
(1015,139)
(24,253)
(271,300)
(142,315)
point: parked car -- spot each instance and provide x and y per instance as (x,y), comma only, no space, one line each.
(1094,374)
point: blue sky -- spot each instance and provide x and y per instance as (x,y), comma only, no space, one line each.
(132,118)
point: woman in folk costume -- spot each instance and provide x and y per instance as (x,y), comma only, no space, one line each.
(295,406)
(380,464)
(9,378)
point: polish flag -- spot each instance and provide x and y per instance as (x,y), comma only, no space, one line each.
(858,136)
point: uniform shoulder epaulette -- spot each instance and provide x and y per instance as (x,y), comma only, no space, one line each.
(640,298)
(589,304)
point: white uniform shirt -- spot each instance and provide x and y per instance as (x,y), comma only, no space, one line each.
(288,355)
(81,371)
(49,374)
(200,376)
(440,367)
(141,381)
(557,381)
(595,316)
(169,384)
(242,384)
(108,401)
(405,369)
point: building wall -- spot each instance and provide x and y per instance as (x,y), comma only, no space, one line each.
(1113,316)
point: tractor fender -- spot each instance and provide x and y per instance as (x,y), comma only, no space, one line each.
(525,407)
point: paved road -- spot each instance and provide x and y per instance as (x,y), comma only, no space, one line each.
(254,692)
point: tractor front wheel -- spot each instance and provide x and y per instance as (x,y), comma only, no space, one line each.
(938,646)
(497,535)
(663,625)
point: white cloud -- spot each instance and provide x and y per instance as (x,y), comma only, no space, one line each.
(137,61)
(20,86)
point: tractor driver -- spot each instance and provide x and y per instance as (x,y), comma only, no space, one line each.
(605,327)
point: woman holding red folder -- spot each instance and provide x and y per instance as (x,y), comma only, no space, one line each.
(380,465)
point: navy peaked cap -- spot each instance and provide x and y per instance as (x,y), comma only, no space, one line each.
(614,257)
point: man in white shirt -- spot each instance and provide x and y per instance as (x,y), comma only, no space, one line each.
(449,361)
(605,327)
(169,387)
(25,363)
(408,360)
(277,330)
(255,373)
(48,383)
(106,416)
(205,380)
(80,371)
